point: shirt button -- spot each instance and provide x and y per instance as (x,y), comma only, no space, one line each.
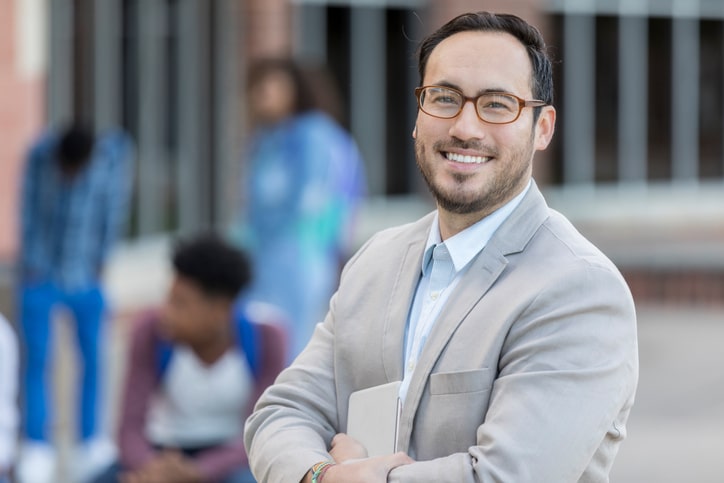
(434,295)
(411,366)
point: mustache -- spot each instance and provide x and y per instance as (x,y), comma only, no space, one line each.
(465,145)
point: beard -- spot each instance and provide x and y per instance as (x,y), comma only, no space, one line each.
(496,191)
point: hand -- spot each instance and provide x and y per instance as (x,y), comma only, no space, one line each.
(367,470)
(167,467)
(345,447)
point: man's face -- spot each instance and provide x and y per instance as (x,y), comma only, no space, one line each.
(473,167)
(190,316)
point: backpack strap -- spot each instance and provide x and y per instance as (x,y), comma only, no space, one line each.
(247,335)
(164,351)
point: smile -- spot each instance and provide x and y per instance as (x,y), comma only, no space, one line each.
(467,159)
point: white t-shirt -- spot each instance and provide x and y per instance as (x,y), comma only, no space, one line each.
(200,405)
(8,394)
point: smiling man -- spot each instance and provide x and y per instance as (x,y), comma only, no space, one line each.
(512,336)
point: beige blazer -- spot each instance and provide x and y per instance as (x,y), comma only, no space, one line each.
(528,375)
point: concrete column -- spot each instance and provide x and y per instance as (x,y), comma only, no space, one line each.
(633,91)
(368,104)
(107,63)
(192,122)
(685,91)
(579,77)
(310,22)
(60,73)
(227,111)
(151,151)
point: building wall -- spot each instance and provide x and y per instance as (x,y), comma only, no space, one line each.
(22,73)
(267,28)
(270,27)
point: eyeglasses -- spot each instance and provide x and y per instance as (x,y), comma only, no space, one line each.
(492,107)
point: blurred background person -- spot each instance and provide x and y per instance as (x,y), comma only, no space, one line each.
(75,198)
(8,398)
(196,368)
(303,183)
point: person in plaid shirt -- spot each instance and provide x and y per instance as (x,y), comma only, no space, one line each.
(75,199)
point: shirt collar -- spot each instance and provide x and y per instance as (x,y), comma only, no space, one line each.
(464,246)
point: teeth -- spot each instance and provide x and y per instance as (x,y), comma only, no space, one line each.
(459,158)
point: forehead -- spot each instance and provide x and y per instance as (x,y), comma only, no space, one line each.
(185,287)
(477,61)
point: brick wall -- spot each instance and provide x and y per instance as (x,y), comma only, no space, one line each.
(267,27)
(680,287)
(21,117)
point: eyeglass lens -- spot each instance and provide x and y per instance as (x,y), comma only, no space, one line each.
(447,103)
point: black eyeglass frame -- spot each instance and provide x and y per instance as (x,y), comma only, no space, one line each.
(522,103)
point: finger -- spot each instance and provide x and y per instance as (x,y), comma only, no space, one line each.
(341,438)
(398,459)
(335,440)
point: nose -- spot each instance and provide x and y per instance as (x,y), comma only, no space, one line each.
(467,124)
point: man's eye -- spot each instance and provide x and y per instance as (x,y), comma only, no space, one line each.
(494,105)
(442,98)
(446,100)
(498,105)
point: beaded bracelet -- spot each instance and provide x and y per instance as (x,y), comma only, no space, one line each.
(322,472)
(319,469)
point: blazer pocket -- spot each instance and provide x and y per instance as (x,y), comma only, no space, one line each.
(475,380)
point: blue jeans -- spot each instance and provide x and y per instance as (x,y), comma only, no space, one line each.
(88,308)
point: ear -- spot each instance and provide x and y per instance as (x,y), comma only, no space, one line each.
(545,126)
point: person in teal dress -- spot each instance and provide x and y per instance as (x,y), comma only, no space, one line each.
(303,184)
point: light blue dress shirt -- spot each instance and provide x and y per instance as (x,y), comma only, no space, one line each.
(443,265)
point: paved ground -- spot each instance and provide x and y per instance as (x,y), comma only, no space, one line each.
(676,430)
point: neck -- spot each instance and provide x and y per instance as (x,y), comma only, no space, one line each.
(453,223)
(212,349)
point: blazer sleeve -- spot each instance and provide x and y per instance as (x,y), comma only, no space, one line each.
(566,378)
(294,421)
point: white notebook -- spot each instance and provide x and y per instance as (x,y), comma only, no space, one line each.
(374,418)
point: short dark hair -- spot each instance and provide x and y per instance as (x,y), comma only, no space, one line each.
(213,264)
(528,35)
(75,146)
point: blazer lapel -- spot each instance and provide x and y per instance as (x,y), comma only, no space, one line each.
(484,271)
(400,300)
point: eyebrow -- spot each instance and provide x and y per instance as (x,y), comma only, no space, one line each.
(489,90)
